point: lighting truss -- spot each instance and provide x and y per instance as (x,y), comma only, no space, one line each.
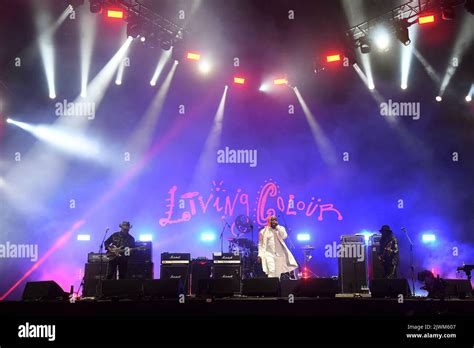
(162,26)
(407,12)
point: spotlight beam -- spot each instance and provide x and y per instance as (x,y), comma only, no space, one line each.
(164,58)
(45,41)
(204,171)
(407,54)
(322,142)
(463,42)
(87,27)
(142,136)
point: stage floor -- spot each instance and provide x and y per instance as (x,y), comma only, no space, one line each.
(239,320)
(252,306)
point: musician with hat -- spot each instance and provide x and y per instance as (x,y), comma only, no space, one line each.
(388,252)
(118,247)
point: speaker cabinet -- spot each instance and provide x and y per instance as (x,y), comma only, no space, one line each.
(261,287)
(163,288)
(43,291)
(380,288)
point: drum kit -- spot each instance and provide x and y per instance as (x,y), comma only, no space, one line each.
(245,247)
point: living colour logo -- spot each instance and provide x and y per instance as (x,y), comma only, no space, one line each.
(182,207)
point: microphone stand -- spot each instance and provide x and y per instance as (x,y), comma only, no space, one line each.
(222,234)
(101,247)
(411,261)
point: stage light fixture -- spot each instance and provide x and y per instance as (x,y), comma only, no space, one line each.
(468,98)
(134,29)
(381,39)
(96,6)
(115,13)
(469,6)
(333,58)
(193,56)
(428,238)
(208,236)
(166,45)
(280,81)
(239,80)
(402,33)
(83,237)
(142,38)
(447,10)
(438,98)
(145,238)
(365,44)
(303,237)
(426,19)
(204,67)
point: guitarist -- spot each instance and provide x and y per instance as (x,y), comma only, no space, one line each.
(115,246)
(388,252)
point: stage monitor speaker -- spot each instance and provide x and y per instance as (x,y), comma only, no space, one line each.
(176,272)
(316,287)
(225,287)
(122,288)
(288,287)
(380,288)
(459,288)
(261,287)
(43,291)
(142,270)
(163,288)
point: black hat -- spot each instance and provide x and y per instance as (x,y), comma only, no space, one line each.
(126,225)
(385,228)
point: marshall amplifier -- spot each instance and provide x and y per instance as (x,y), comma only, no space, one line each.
(175,266)
(143,254)
(226,259)
(227,266)
(96,258)
(175,258)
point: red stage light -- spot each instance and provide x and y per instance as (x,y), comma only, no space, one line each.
(426,19)
(333,58)
(281,81)
(239,80)
(193,56)
(115,13)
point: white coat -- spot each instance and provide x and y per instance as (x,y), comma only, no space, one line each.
(267,252)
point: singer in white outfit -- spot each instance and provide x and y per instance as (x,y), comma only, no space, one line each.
(273,253)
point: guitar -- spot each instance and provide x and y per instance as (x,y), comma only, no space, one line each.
(115,252)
